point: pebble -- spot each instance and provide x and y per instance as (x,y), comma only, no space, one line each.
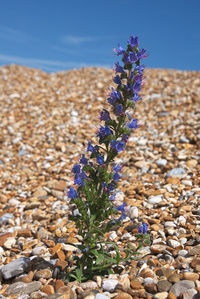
(182,286)
(109,285)
(14,268)
(23,288)
(175,172)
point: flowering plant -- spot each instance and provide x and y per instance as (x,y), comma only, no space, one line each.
(96,177)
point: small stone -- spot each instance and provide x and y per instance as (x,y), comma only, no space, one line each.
(163,285)
(24,233)
(173,243)
(135,284)
(123,295)
(5,218)
(9,243)
(66,291)
(155,199)
(39,250)
(4,237)
(59,283)
(40,192)
(195,250)
(190,293)
(132,212)
(190,276)
(88,285)
(151,288)
(23,288)
(181,286)
(113,235)
(48,289)
(186,183)
(15,268)
(174,278)
(183,252)
(157,248)
(109,285)
(175,172)
(44,273)
(161,295)
(38,295)
(161,162)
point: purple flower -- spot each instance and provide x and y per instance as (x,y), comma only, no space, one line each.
(143,228)
(72,193)
(137,86)
(118,109)
(135,98)
(121,207)
(83,160)
(142,54)
(122,217)
(78,181)
(79,178)
(133,57)
(104,131)
(104,115)
(76,168)
(117,80)
(114,96)
(133,41)
(119,51)
(118,146)
(118,68)
(116,177)
(133,124)
(92,148)
(116,168)
(100,160)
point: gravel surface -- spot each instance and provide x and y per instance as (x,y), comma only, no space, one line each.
(46,121)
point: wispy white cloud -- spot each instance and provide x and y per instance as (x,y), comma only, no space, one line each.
(45,64)
(77,40)
(14,35)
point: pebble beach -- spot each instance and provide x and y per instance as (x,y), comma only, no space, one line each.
(46,121)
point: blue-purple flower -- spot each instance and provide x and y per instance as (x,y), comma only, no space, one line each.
(119,146)
(91,148)
(100,160)
(119,51)
(133,41)
(72,193)
(114,96)
(117,80)
(104,131)
(76,168)
(118,109)
(118,68)
(143,228)
(104,115)
(83,160)
(133,124)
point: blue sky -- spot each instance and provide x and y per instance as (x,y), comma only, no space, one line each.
(64,34)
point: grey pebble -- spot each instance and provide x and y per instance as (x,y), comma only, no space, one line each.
(161,162)
(182,286)
(15,268)
(23,288)
(109,285)
(175,172)
(5,217)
